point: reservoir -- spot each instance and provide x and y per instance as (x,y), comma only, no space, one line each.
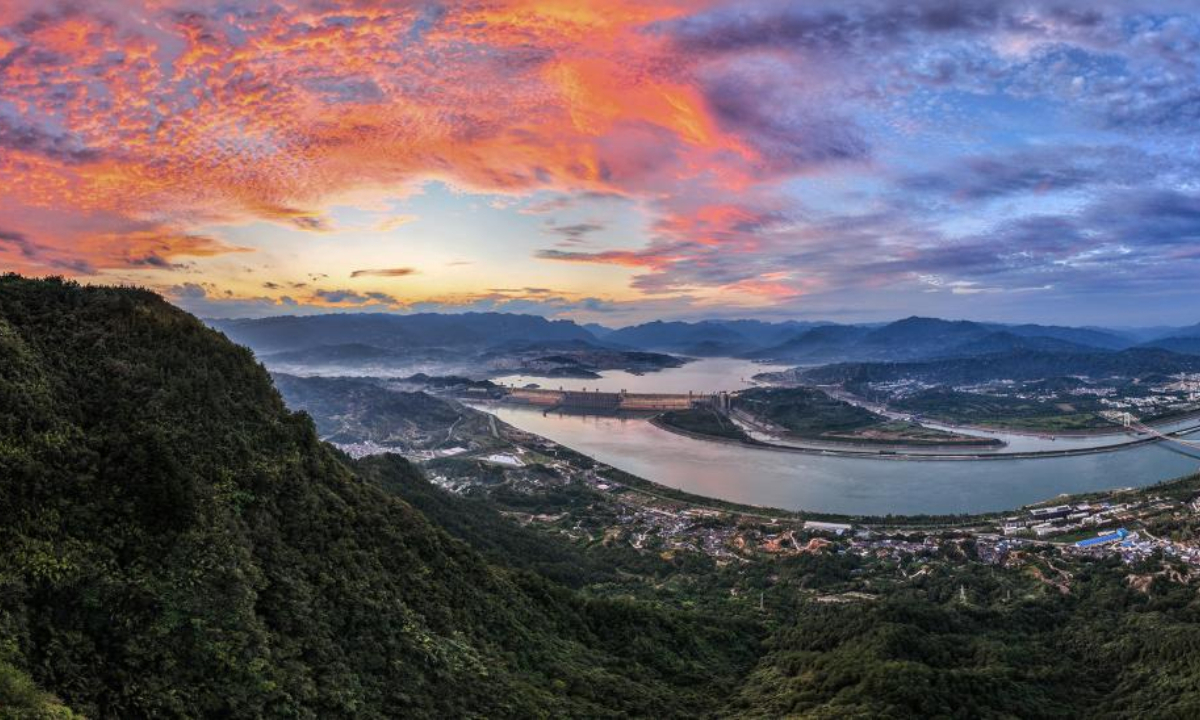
(833,484)
(700,376)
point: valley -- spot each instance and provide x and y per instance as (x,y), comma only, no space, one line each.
(553,488)
(559,564)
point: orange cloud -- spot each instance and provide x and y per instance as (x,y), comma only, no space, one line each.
(384,272)
(163,120)
(389,224)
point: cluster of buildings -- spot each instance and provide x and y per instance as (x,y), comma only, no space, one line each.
(363,449)
(1187,383)
(663,529)
(1134,547)
(1177,395)
(657,524)
(891,548)
(1008,388)
(1130,545)
(1148,402)
(1046,521)
(896,389)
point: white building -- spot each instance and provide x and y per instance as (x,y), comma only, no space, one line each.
(836,528)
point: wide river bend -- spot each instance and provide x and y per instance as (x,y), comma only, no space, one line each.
(831,484)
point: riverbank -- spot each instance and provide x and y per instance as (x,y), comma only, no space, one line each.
(911,453)
(845,485)
(1032,433)
(1114,430)
(615,480)
(935,441)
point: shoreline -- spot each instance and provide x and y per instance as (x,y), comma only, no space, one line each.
(1093,432)
(1113,430)
(901,454)
(916,522)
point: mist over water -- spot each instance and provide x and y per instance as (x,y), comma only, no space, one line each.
(707,375)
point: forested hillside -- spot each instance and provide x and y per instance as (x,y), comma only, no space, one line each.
(175,543)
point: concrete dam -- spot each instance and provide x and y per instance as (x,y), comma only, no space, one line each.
(612,402)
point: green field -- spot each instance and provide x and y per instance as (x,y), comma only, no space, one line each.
(813,414)
(703,421)
(963,408)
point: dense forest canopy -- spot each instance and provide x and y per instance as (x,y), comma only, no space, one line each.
(175,543)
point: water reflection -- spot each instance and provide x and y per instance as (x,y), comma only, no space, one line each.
(832,484)
(701,376)
(845,485)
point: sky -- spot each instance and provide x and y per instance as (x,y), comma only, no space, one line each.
(611,162)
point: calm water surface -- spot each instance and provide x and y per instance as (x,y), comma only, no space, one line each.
(834,484)
(700,376)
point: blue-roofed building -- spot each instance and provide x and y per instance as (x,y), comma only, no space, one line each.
(1099,540)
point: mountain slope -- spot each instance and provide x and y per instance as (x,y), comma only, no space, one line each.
(352,410)
(706,337)
(1181,344)
(1080,336)
(918,338)
(1191,331)
(1018,365)
(816,344)
(1007,342)
(676,336)
(174,542)
(381,330)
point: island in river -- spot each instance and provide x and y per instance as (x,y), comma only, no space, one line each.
(804,413)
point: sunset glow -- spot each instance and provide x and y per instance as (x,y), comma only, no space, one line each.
(609,161)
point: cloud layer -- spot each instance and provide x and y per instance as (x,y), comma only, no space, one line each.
(789,155)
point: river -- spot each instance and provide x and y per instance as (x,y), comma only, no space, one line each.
(829,484)
(700,376)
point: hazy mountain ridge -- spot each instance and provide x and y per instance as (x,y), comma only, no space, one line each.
(1019,365)
(1005,341)
(705,337)
(389,331)
(1091,337)
(917,338)
(1179,344)
(432,338)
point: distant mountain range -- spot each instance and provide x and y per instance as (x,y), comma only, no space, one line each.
(1181,340)
(392,332)
(908,339)
(1018,365)
(378,337)
(1189,345)
(926,338)
(707,338)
